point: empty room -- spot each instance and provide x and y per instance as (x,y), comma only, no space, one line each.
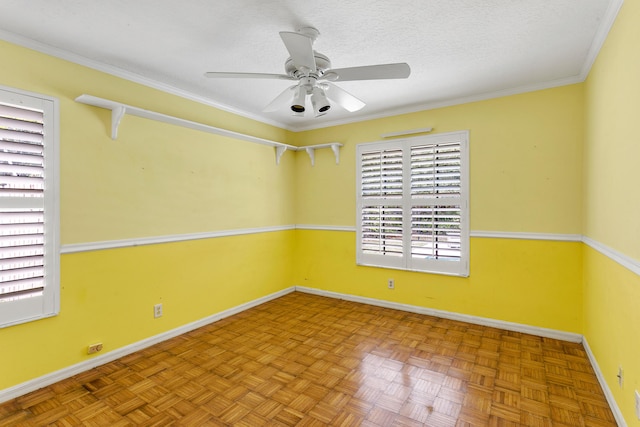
(284,213)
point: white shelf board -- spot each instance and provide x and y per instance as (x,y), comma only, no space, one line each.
(406,132)
(119,110)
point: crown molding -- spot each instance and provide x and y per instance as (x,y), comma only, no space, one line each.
(128,75)
(601,35)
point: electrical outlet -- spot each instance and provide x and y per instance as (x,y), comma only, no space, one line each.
(391,284)
(620,376)
(157,310)
(637,404)
(94,348)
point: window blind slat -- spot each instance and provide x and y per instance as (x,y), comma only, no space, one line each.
(21,289)
(16,275)
(22,159)
(23,114)
(21,240)
(23,262)
(21,137)
(21,124)
(21,148)
(19,184)
(9,168)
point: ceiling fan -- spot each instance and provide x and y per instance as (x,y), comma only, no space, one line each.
(314,74)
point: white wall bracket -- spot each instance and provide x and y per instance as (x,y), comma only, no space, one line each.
(119,110)
(312,155)
(116,116)
(310,149)
(336,152)
(280,149)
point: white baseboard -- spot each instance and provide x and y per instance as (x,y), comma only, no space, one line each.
(605,387)
(484,321)
(53,377)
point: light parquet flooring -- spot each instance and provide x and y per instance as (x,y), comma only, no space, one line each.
(305,360)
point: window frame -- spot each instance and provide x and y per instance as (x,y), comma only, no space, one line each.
(406,261)
(47,304)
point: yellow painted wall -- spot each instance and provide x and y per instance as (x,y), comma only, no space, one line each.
(612,207)
(154,180)
(525,176)
(525,162)
(529,282)
(612,149)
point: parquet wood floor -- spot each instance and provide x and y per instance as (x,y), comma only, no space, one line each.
(305,360)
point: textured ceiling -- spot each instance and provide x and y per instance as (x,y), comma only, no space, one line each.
(458,49)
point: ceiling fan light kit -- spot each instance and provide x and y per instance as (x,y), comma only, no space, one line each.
(297,105)
(314,74)
(319,101)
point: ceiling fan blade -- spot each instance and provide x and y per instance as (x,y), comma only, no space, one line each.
(223,75)
(343,98)
(285,97)
(369,72)
(300,47)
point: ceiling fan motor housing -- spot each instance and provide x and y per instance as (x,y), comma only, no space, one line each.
(322,64)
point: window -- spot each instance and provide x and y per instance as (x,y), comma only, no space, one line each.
(412,204)
(29,249)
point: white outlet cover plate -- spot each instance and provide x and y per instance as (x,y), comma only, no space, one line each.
(637,404)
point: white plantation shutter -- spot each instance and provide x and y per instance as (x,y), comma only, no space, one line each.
(28,207)
(381,213)
(412,201)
